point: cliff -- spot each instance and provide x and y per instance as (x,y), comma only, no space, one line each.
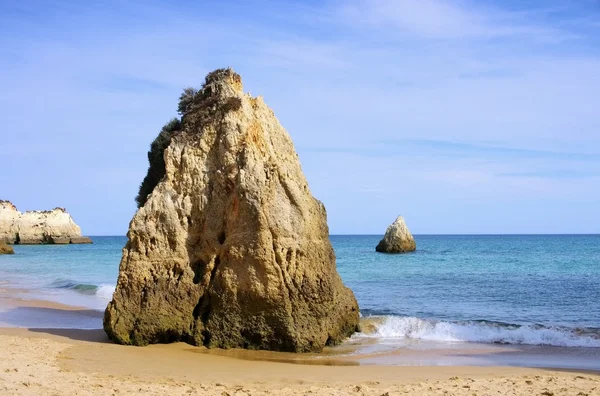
(36,227)
(397,238)
(230,249)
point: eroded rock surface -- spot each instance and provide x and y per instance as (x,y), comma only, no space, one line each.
(397,238)
(231,249)
(35,227)
(5,249)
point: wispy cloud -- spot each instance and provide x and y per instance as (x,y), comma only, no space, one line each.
(441,104)
(467,149)
(554,174)
(440,19)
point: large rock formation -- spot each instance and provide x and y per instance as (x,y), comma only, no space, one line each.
(35,227)
(397,238)
(230,249)
(5,249)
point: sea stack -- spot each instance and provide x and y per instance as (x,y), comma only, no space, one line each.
(397,238)
(230,249)
(34,227)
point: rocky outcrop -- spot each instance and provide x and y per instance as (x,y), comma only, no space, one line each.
(36,227)
(397,238)
(5,249)
(230,249)
(9,222)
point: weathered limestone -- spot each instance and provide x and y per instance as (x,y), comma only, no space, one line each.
(36,227)
(5,249)
(231,249)
(397,238)
(80,240)
(9,220)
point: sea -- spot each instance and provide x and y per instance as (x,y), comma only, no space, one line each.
(525,300)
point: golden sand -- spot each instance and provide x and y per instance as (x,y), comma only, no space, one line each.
(82,362)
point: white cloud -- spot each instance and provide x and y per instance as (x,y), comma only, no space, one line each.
(439,19)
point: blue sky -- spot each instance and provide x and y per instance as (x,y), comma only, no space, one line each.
(463,116)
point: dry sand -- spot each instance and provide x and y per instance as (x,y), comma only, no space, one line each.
(80,362)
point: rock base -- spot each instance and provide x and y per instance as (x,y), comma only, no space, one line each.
(50,240)
(6,249)
(80,240)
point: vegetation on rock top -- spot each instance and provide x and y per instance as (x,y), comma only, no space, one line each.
(156,160)
(201,102)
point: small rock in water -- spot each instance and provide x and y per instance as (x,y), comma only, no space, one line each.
(397,239)
(5,249)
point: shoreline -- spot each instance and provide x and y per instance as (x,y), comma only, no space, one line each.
(42,316)
(68,361)
(17,311)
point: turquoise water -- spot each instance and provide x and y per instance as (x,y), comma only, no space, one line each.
(523,290)
(513,289)
(80,275)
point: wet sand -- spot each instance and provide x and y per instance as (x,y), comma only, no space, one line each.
(66,362)
(72,361)
(429,353)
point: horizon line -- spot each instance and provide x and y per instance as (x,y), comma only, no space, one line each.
(516,234)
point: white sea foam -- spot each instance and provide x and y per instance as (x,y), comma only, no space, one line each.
(105,291)
(484,332)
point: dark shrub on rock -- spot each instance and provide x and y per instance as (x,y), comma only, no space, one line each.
(186,99)
(156,168)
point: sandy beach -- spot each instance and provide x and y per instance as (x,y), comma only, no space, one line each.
(83,362)
(63,362)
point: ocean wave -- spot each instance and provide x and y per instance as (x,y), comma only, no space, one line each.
(103,291)
(480,331)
